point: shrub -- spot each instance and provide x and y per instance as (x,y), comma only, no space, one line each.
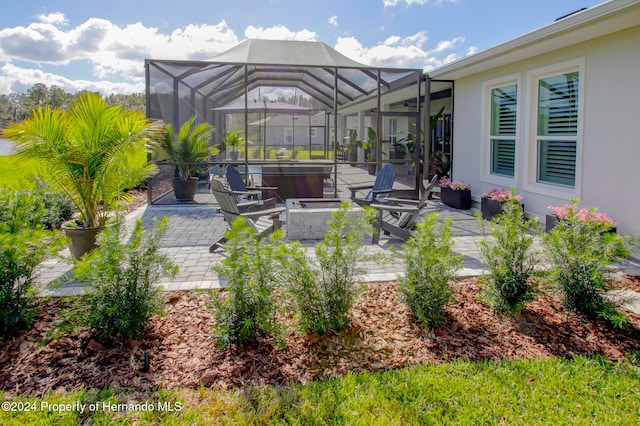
(324,293)
(23,246)
(31,208)
(508,255)
(429,265)
(121,277)
(581,252)
(20,254)
(250,268)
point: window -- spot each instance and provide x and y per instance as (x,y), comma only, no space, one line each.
(393,129)
(557,128)
(312,133)
(502,133)
(288,135)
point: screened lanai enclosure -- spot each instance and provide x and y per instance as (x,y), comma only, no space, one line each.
(296,105)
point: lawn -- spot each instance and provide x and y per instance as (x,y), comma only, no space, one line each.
(547,391)
(17,172)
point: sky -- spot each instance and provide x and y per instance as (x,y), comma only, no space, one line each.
(101,46)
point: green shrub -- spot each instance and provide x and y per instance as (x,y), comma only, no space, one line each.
(248,310)
(324,293)
(20,253)
(581,252)
(31,208)
(122,295)
(511,262)
(429,265)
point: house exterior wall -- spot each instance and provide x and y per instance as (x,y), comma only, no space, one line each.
(608,169)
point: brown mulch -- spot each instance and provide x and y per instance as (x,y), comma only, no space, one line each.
(382,335)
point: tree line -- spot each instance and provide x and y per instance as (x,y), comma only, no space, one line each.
(16,107)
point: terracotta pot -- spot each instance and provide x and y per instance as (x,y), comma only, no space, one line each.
(83,240)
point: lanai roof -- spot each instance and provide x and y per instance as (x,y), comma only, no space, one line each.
(311,67)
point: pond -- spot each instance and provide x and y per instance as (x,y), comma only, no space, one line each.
(6,147)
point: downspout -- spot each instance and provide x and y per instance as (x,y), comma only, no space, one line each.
(335,133)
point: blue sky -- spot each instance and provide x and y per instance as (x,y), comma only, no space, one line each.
(85,45)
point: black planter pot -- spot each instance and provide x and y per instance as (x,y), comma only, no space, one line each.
(234,155)
(82,240)
(185,190)
(371,168)
(491,208)
(456,198)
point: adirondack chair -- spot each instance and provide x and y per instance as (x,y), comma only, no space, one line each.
(381,188)
(242,193)
(264,221)
(398,216)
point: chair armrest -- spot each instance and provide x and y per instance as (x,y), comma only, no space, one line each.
(381,191)
(247,193)
(273,188)
(396,201)
(359,187)
(398,209)
(266,212)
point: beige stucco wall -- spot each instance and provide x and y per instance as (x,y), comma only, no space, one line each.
(610,163)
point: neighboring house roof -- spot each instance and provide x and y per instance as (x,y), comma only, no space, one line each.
(597,21)
(257,105)
(286,120)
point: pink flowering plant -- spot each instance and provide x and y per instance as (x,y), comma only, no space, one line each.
(456,186)
(583,215)
(502,195)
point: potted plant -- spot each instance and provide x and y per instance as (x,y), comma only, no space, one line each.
(188,149)
(455,194)
(492,201)
(92,152)
(351,145)
(561,213)
(233,140)
(370,146)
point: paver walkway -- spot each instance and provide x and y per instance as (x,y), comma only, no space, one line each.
(194,227)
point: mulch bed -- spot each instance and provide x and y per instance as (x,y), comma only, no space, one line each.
(382,335)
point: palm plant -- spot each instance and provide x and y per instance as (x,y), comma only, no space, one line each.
(233,140)
(91,152)
(188,148)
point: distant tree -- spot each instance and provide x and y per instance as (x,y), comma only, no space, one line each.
(37,96)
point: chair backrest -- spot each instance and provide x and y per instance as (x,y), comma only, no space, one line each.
(225,199)
(427,191)
(385,178)
(234,179)
(408,220)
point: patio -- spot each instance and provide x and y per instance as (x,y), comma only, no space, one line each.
(193,228)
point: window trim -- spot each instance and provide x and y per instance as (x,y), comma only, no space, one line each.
(531,165)
(487,87)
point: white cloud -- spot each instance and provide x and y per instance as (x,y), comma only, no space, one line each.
(401,52)
(118,52)
(333,20)
(393,3)
(279,32)
(56,18)
(18,79)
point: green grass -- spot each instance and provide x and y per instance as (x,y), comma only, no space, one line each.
(548,391)
(18,172)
